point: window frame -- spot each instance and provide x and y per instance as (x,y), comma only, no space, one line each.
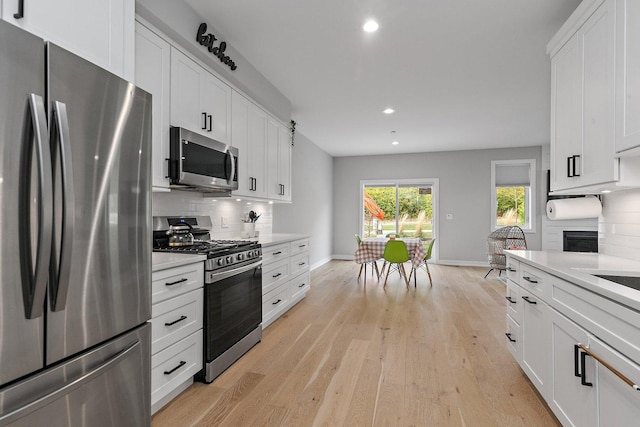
(531,209)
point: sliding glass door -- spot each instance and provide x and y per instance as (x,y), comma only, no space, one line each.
(404,209)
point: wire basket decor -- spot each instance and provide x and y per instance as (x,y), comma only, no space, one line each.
(511,237)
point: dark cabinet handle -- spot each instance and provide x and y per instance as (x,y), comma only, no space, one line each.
(511,300)
(20,13)
(277,275)
(277,253)
(511,270)
(302,285)
(175,321)
(176,282)
(528,300)
(576,172)
(509,336)
(182,363)
(301,264)
(576,361)
(569,172)
(204,120)
(277,302)
(529,279)
(302,246)
(210,117)
(583,374)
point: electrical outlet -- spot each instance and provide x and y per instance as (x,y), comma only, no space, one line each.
(224,222)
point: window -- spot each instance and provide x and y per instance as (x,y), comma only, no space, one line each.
(406,208)
(513,193)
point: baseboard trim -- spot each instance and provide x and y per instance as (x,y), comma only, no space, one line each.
(462,263)
(320,263)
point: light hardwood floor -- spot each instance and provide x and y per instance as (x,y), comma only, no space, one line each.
(355,355)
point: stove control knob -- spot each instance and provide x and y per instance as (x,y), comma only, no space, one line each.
(240,257)
(229,260)
(220,261)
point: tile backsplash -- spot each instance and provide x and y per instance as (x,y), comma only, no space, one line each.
(619,225)
(226,213)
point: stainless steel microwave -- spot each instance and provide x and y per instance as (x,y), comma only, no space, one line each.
(201,164)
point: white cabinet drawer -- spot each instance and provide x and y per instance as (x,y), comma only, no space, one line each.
(273,275)
(299,246)
(513,270)
(271,254)
(174,365)
(299,264)
(514,302)
(512,337)
(175,319)
(299,286)
(176,281)
(273,304)
(535,281)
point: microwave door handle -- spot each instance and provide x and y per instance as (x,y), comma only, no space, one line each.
(34,280)
(180,159)
(61,270)
(233,165)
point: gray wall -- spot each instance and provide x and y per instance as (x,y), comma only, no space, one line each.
(180,22)
(312,207)
(465,189)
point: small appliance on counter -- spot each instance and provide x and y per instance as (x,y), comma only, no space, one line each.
(232,289)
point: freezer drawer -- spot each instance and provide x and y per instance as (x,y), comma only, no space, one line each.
(107,386)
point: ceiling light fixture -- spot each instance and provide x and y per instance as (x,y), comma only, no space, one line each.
(395,143)
(388,111)
(370,26)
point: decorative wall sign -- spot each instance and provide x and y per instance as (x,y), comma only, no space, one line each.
(208,41)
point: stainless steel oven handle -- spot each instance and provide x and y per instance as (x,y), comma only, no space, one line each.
(216,277)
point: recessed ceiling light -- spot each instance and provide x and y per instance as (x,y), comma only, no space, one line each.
(388,111)
(370,26)
(395,143)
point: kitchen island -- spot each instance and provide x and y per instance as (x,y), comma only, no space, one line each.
(575,335)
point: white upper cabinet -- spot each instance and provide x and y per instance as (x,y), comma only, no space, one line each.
(278,161)
(101,31)
(153,66)
(200,102)
(249,135)
(582,104)
(627,76)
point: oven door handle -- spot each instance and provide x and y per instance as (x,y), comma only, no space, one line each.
(216,277)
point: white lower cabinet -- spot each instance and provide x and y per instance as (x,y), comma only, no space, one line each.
(176,330)
(572,402)
(566,349)
(285,277)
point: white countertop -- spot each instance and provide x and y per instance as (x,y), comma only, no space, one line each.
(164,260)
(578,268)
(276,238)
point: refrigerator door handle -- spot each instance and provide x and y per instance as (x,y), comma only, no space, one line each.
(61,270)
(34,279)
(68,388)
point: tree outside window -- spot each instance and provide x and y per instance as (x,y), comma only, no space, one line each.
(512,192)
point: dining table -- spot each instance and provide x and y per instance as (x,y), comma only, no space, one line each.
(372,249)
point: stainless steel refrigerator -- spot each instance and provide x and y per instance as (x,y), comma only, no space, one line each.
(75,243)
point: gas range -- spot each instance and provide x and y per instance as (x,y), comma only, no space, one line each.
(221,254)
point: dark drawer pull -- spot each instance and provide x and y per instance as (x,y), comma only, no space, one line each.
(512,270)
(277,302)
(302,263)
(182,363)
(176,282)
(511,300)
(302,246)
(277,275)
(528,300)
(277,253)
(509,336)
(529,279)
(302,285)
(175,321)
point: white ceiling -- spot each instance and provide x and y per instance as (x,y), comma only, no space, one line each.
(461,74)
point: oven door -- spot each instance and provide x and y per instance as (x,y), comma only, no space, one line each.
(233,307)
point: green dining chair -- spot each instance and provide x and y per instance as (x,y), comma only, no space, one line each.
(424,265)
(396,254)
(374,265)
